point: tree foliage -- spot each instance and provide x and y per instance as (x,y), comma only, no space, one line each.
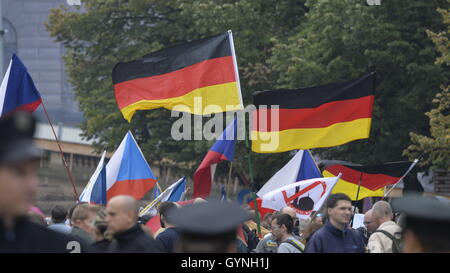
(279,43)
(436,147)
(343,39)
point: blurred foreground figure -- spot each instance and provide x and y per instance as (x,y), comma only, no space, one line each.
(426,226)
(19,162)
(208,227)
(129,237)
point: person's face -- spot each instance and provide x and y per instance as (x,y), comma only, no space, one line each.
(341,213)
(370,224)
(117,219)
(277,230)
(318,220)
(18,187)
(88,224)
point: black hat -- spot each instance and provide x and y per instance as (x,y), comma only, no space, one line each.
(424,208)
(16,138)
(208,218)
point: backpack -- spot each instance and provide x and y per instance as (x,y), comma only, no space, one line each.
(295,244)
(396,240)
(251,236)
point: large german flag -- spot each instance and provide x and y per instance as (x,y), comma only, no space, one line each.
(321,116)
(174,76)
(373,179)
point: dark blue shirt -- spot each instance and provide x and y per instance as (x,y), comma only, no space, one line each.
(330,239)
(168,237)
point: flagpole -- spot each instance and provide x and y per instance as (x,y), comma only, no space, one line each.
(407,172)
(357,194)
(60,150)
(323,204)
(250,168)
(229,174)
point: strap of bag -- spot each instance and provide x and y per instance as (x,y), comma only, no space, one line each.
(293,243)
(395,246)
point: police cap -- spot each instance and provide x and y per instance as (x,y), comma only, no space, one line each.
(16,138)
(208,218)
(424,208)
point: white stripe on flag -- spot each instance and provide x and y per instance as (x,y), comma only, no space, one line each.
(3,87)
(287,175)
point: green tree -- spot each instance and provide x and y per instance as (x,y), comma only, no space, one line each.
(436,147)
(110,31)
(343,39)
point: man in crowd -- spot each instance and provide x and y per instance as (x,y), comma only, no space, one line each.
(335,236)
(19,162)
(426,224)
(387,231)
(369,227)
(282,228)
(170,235)
(83,219)
(59,217)
(269,244)
(208,227)
(121,218)
(291,212)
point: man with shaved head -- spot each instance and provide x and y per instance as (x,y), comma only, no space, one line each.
(129,237)
(383,239)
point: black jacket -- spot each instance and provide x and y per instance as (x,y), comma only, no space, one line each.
(29,237)
(134,240)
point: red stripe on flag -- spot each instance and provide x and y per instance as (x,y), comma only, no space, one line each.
(136,188)
(202,176)
(262,211)
(177,83)
(319,117)
(370,181)
(29,107)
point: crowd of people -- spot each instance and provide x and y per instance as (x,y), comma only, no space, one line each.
(409,224)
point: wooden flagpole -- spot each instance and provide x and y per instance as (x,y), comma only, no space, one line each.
(69,173)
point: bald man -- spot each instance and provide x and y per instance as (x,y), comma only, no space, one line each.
(383,238)
(129,237)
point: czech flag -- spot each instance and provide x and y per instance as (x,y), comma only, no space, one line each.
(127,172)
(320,116)
(176,76)
(223,149)
(17,92)
(299,168)
(95,190)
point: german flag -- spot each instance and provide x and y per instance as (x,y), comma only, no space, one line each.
(373,178)
(174,76)
(321,116)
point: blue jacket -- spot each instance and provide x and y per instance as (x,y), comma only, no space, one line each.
(329,239)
